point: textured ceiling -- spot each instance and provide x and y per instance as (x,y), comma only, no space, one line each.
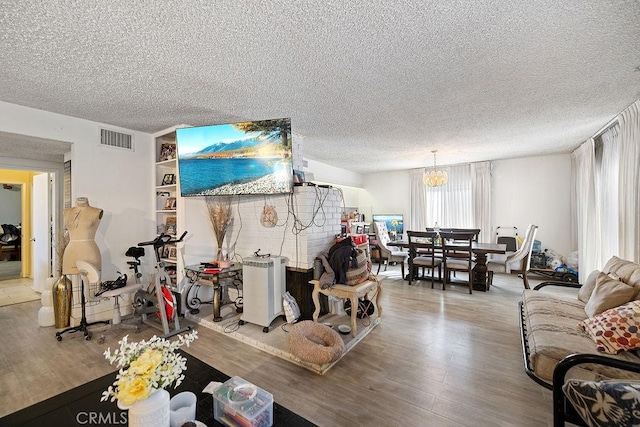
(369,85)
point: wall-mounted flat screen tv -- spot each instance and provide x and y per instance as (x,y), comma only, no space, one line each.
(236,158)
(395,222)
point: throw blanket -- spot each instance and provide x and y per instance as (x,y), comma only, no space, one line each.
(341,256)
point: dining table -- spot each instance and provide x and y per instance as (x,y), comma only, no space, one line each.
(480,250)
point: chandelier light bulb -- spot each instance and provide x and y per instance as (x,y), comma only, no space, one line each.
(435,178)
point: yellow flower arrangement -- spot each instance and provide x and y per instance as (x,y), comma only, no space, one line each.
(145,367)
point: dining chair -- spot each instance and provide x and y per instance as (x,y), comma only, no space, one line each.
(474,231)
(518,262)
(388,253)
(457,255)
(422,254)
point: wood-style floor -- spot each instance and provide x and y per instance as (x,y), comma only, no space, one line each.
(436,359)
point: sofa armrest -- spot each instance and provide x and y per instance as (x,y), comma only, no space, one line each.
(557,283)
(562,409)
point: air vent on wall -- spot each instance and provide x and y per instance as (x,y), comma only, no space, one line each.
(116,139)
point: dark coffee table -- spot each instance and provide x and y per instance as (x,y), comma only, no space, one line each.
(81,406)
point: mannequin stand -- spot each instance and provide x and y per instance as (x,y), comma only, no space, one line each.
(83,321)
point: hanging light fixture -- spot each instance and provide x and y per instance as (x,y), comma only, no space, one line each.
(435,178)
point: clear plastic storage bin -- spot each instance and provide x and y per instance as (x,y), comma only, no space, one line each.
(239,403)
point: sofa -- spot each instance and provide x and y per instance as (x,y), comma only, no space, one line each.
(556,325)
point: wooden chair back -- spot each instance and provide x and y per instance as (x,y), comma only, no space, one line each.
(422,244)
(457,254)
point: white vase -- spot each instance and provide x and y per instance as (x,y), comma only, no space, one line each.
(152,411)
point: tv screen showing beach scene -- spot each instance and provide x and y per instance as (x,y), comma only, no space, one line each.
(236,158)
(395,222)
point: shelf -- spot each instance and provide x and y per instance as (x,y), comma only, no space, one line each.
(167,198)
(167,163)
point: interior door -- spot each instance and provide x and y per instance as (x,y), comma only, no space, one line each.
(40,230)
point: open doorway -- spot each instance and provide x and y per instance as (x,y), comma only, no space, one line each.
(27,220)
(10,231)
(36,165)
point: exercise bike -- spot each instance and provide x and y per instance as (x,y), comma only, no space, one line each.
(158,297)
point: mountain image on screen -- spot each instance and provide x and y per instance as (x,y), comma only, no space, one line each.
(237,158)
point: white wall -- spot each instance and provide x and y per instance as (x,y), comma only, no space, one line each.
(535,190)
(324,173)
(386,193)
(11,206)
(115,180)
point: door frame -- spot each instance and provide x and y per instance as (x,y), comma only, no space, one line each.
(56,193)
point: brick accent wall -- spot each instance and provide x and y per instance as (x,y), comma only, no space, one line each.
(308,220)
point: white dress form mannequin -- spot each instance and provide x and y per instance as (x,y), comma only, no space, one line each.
(81,221)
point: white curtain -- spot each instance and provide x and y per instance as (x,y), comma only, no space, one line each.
(586,218)
(465,202)
(607,190)
(451,205)
(481,199)
(417,202)
(629,182)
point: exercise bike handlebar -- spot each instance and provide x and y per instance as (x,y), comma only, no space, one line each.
(163,239)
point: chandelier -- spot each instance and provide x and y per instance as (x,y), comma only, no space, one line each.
(435,178)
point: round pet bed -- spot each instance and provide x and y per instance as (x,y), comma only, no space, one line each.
(315,343)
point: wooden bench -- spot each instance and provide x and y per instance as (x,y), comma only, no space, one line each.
(353,293)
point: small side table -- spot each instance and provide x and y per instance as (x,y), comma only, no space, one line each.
(353,293)
(198,275)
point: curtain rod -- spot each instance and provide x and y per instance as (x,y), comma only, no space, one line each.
(611,123)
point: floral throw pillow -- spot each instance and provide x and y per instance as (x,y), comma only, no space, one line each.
(615,330)
(605,403)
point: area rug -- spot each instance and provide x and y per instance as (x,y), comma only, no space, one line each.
(275,341)
(16,292)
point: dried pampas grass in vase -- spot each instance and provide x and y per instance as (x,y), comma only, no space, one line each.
(220,217)
(63,242)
